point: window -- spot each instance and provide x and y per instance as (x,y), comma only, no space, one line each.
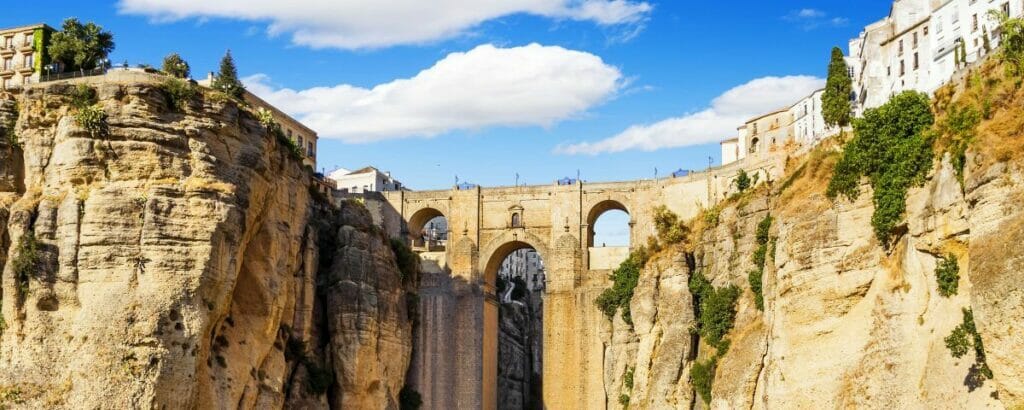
(7,42)
(849,71)
(29,60)
(974,23)
(516,222)
(290,135)
(915,61)
(1006,8)
(915,40)
(309,149)
(903,68)
(888,71)
(300,141)
(8,64)
(901,47)
(925,31)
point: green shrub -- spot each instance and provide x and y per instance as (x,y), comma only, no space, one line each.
(702,375)
(947,273)
(409,399)
(624,400)
(742,180)
(963,338)
(93,120)
(178,93)
(711,216)
(25,264)
(960,127)
(716,310)
(407,260)
(627,378)
(893,148)
(624,280)
(1011,43)
(755,277)
(670,229)
(83,96)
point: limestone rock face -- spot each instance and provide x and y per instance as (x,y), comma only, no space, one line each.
(847,323)
(172,260)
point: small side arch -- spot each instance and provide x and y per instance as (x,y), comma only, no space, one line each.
(599,209)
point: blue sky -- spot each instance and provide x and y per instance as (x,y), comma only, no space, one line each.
(546,75)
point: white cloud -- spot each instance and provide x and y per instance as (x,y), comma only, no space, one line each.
(357,24)
(487,86)
(727,112)
(810,19)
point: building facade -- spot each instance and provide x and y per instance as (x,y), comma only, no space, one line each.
(916,47)
(23,54)
(368,179)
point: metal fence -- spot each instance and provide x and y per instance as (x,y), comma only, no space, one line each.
(72,74)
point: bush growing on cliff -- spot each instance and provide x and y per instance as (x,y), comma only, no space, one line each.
(25,263)
(702,375)
(93,120)
(960,128)
(408,261)
(947,273)
(624,280)
(1011,42)
(670,229)
(716,310)
(965,337)
(83,96)
(742,180)
(178,93)
(892,146)
(755,277)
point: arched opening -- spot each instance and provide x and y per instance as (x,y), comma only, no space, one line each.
(516,220)
(428,230)
(517,272)
(753,145)
(609,235)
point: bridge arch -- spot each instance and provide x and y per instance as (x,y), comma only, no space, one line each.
(499,248)
(420,230)
(599,209)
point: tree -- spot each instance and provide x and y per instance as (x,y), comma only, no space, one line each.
(742,180)
(985,42)
(227,81)
(176,66)
(835,101)
(963,52)
(1011,42)
(80,46)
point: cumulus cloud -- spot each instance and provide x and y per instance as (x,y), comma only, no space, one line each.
(727,112)
(357,24)
(487,86)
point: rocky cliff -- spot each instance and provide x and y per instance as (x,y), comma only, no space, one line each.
(847,322)
(168,252)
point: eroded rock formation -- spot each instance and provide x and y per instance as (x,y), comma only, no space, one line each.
(175,258)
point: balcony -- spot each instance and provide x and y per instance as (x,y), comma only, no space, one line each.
(26,46)
(7,50)
(7,71)
(25,69)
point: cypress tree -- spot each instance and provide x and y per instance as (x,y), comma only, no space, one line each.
(963,52)
(985,42)
(835,101)
(227,80)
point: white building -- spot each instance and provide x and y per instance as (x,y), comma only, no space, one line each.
(914,47)
(368,179)
(808,122)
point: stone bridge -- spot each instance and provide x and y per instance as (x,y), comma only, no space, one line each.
(455,357)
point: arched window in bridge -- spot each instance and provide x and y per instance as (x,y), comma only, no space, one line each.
(516,220)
